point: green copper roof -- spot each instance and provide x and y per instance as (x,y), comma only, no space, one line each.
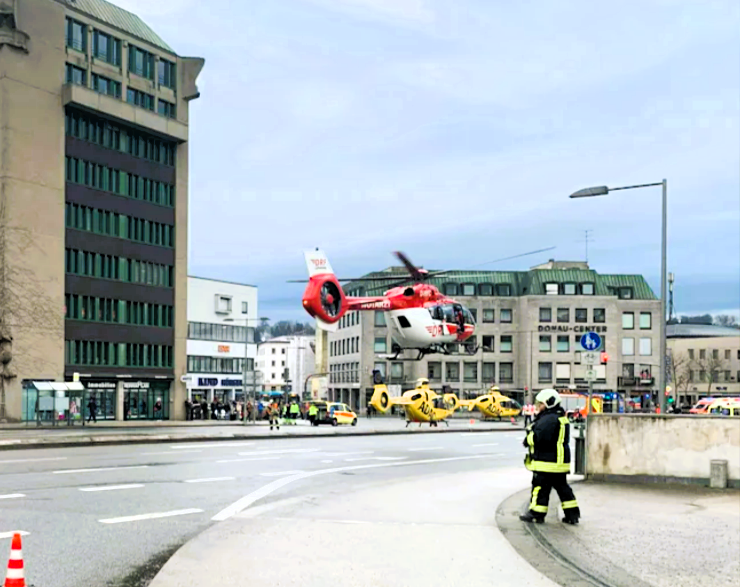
(121,19)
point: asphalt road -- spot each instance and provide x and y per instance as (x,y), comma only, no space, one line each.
(111,516)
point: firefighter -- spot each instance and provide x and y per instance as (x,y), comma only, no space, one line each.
(548,458)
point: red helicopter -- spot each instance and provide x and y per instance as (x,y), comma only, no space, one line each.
(419,316)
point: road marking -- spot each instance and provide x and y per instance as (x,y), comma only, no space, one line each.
(425,448)
(281,473)
(476,433)
(346,454)
(209,479)
(327,461)
(375,459)
(490,444)
(179,452)
(112,487)
(225,444)
(34,460)
(248,460)
(10,534)
(12,495)
(149,516)
(262,492)
(278,452)
(62,472)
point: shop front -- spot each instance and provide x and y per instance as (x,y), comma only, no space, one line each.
(146,399)
(210,388)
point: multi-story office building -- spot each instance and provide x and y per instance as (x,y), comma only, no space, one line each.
(93,207)
(286,361)
(222,317)
(529,324)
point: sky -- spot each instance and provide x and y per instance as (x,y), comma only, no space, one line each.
(455,131)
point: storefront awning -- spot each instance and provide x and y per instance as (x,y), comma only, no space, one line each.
(58,385)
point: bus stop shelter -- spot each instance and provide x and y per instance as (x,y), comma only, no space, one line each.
(55,403)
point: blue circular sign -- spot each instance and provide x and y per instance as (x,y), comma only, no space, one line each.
(591,341)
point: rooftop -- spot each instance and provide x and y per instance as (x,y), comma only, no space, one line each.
(699,331)
(119,18)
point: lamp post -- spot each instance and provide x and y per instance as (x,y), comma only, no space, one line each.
(604,190)
(244,368)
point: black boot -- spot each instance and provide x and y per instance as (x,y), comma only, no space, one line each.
(570,520)
(528,517)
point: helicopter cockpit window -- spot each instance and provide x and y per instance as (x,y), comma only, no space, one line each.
(469,319)
(415,397)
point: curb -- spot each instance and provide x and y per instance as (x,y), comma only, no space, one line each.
(113,440)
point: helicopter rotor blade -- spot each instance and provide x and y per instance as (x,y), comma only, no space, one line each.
(416,275)
(438,273)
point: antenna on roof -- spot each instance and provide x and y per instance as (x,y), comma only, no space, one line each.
(671,279)
(587,239)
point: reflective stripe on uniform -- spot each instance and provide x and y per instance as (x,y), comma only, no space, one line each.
(570,504)
(542,509)
(530,438)
(545,467)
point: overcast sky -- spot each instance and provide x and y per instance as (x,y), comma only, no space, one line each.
(455,130)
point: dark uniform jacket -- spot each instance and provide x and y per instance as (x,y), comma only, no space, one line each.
(548,440)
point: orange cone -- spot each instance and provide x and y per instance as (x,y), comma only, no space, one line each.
(15,578)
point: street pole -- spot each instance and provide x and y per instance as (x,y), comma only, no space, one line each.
(663,282)
(585,430)
(244,374)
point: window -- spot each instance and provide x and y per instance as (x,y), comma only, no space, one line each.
(563,315)
(551,289)
(489,344)
(507,344)
(628,320)
(645,372)
(563,344)
(715,354)
(140,99)
(76,35)
(545,373)
(581,315)
(727,354)
(646,348)
(380,344)
(470,373)
(625,293)
(489,315)
(452,371)
(628,370)
(486,289)
(562,372)
(468,289)
(702,354)
(450,289)
(434,371)
(140,62)
(380,367)
(545,344)
(545,314)
(691,354)
(166,109)
(106,86)
(474,314)
(599,315)
(646,320)
(628,346)
(76,75)
(245,307)
(379,318)
(506,372)
(489,373)
(166,71)
(587,289)
(106,48)
(569,289)
(506,315)
(503,289)
(396,370)
(223,304)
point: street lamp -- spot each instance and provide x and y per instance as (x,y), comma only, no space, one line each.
(244,368)
(604,190)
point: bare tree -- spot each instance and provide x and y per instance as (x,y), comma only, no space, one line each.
(726,320)
(711,365)
(680,372)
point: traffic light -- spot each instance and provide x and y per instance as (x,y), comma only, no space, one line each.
(604,358)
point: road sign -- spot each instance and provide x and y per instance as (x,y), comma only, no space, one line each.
(591,375)
(590,358)
(591,341)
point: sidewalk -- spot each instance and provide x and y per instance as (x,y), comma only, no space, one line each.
(634,536)
(108,432)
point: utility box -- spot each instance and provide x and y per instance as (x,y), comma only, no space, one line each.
(718,474)
(580,457)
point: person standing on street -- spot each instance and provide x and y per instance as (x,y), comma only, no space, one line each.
(548,457)
(295,412)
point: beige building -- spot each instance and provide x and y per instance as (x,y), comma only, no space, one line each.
(93,207)
(529,326)
(704,361)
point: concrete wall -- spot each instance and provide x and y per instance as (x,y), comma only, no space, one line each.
(662,448)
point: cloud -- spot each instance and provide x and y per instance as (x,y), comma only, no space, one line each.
(410,12)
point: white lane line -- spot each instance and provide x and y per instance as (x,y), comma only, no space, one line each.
(281,473)
(210,479)
(12,495)
(112,487)
(262,492)
(149,516)
(346,454)
(33,460)
(179,452)
(327,461)
(248,460)
(278,452)
(10,534)
(63,471)
(424,448)
(225,444)
(489,444)
(376,459)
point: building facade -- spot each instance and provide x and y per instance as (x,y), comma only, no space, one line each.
(93,207)
(529,326)
(222,317)
(285,362)
(704,362)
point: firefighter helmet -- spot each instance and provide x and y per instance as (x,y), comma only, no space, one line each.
(549,397)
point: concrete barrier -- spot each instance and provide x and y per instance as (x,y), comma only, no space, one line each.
(641,448)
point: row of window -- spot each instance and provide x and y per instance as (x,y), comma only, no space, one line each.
(715,354)
(111,136)
(94,309)
(452,371)
(716,375)
(108,48)
(120,183)
(628,320)
(219,332)
(220,365)
(346,346)
(103,266)
(119,225)
(117,354)
(344,373)
(351,319)
(580,315)
(570,289)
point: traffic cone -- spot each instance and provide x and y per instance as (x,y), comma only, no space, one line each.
(15,578)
